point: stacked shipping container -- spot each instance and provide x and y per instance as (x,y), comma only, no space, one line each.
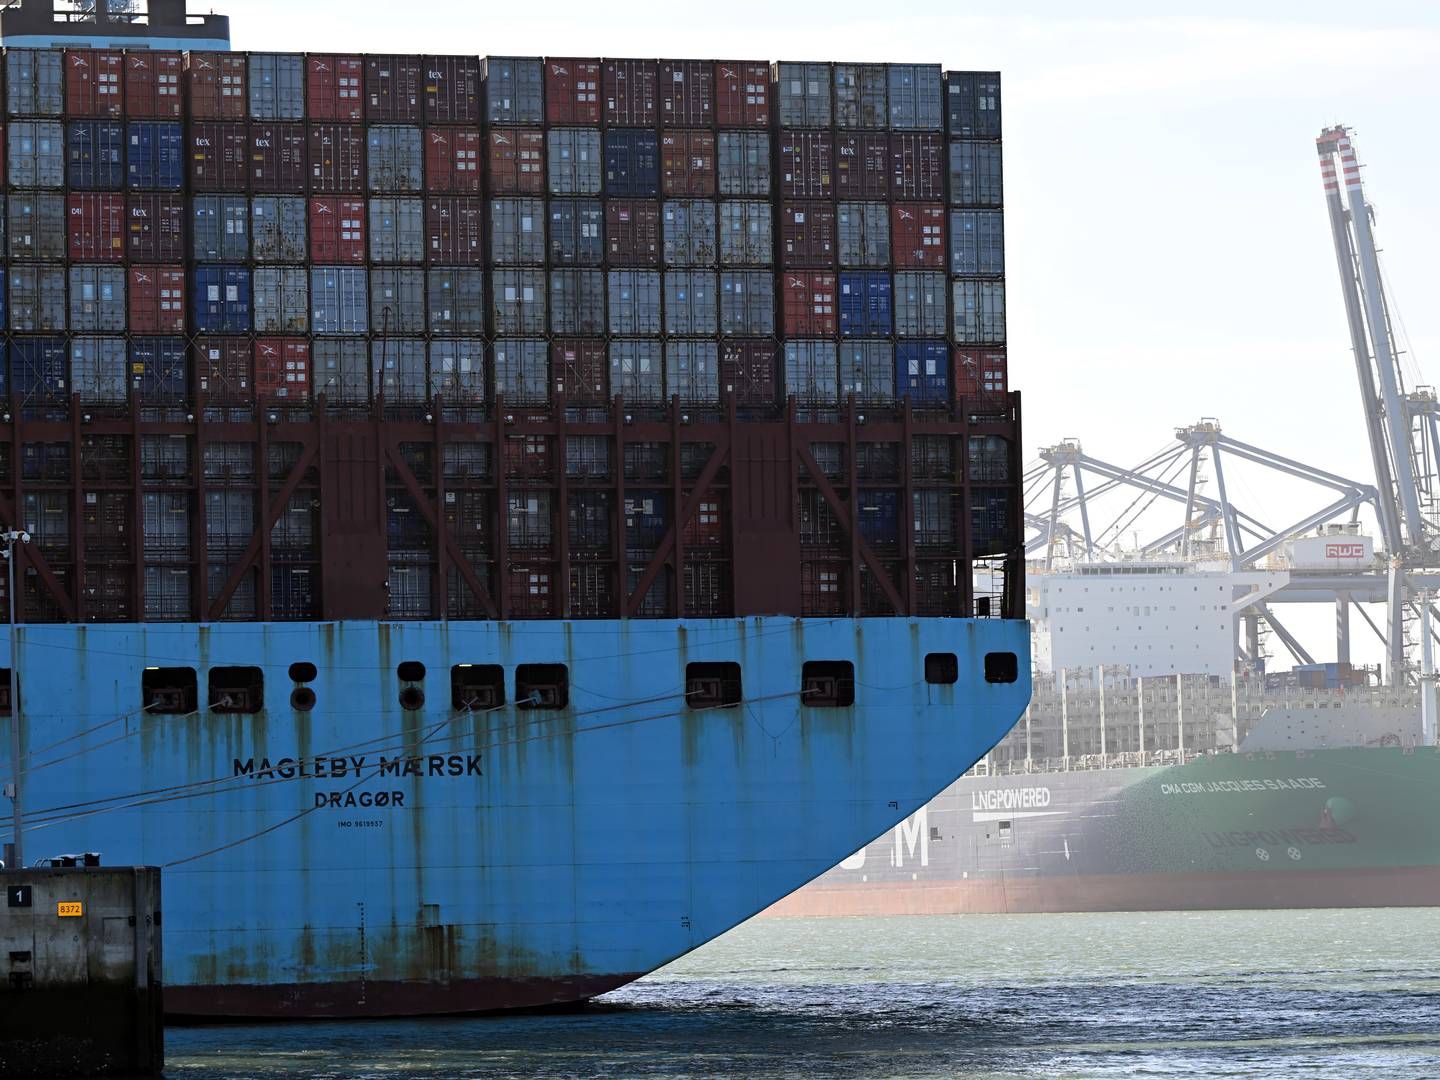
(226,239)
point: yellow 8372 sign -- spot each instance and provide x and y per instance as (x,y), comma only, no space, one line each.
(69,909)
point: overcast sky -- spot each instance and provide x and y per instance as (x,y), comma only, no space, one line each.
(1168,247)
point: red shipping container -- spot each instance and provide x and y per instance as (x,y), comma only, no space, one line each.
(807,164)
(517,161)
(581,371)
(333,87)
(453,230)
(155,228)
(222,370)
(282,370)
(452,160)
(809,305)
(157,299)
(706,529)
(629,93)
(93,82)
(337,159)
(917,167)
(862,166)
(632,231)
(742,94)
(687,93)
(96,226)
(219,157)
(392,89)
(687,163)
(277,158)
(452,90)
(572,91)
(748,372)
(217,86)
(980,373)
(337,231)
(807,234)
(152,85)
(917,235)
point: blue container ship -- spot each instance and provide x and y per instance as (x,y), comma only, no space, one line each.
(449,653)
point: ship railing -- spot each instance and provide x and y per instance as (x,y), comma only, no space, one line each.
(1089,762)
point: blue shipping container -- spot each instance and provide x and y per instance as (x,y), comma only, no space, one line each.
(40,375)
(94,152)
(866,304)
(158,368)
(632,163)
(922,372)
(221,300)
(155,157)
(880,518)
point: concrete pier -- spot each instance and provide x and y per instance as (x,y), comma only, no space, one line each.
(80,988)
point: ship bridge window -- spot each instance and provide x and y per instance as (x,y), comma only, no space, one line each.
(476,686)
(165,690)
(827,684)
(1001,667)
(542,686)
(713,685)
(942,668)
(237,689)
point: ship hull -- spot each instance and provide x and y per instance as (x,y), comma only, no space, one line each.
(1324,828)
(366,858)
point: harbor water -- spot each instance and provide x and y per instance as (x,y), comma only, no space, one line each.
(1331,993)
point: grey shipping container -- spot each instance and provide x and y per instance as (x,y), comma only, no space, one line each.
(742,163)
(867,370)
(522,370)
(339,298)
(689,232)
(456,300)
(398,365)
(692,373)
(394,159)
(514,90)
(517,231)
(37,298)
(980,312)
(745,233)
(634,302)
(278,228)
(35,154)
(4,220)
(917,100)
(280,299)
(860,100)
(98,370)
(457,370)
(803,91)
(397,230)
(574,161)
(97,298)
(637,371)
(811,372)
(277,86)
(220,227)
(747,303)
(34,82)
(863,232)
(577,302)
(397,301)
(977,242)
(920,304)
(37,225)
(576,236)
(518,299)
(976,173)
(690,302)
(341,369)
